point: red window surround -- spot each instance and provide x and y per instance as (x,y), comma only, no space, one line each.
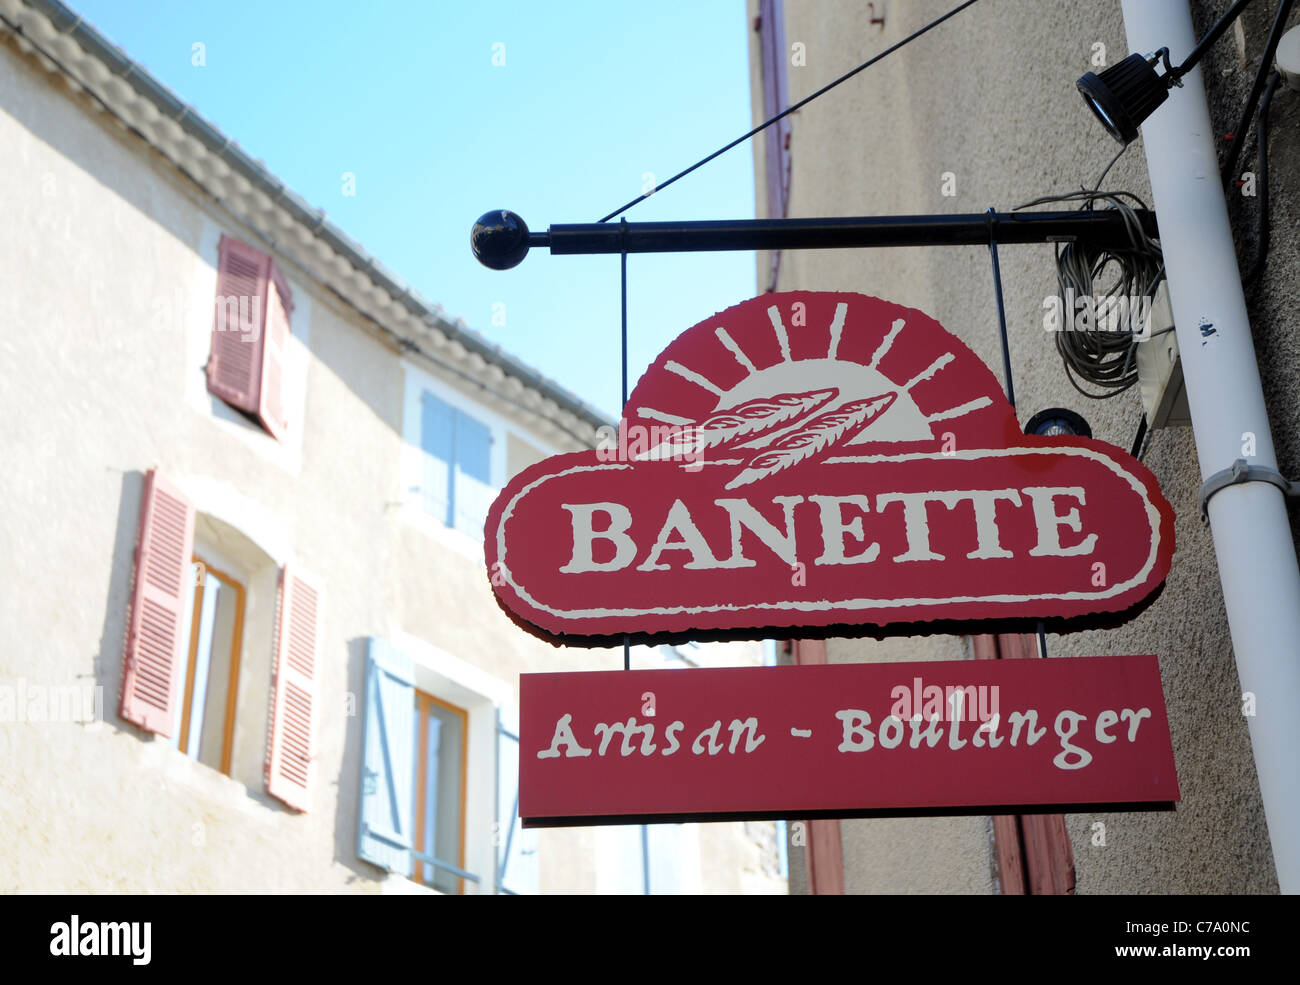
(770,25)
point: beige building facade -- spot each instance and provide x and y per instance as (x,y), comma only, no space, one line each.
(982,112)
(331,705)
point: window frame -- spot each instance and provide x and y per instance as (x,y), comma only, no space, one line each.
(205,569)
(417,381)
(483,697)
(420,801)
(451,507)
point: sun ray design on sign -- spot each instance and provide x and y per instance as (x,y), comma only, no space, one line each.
(650,414)
(796,409)
(837,327)
(961,410)
(782,337)
(736,350)
(692,376)
(888,342)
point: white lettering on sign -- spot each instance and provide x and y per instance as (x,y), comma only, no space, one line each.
(1050,522)
(585,535)
(857,734)
(707,742)
(602,529)
(834,528)
(563,736)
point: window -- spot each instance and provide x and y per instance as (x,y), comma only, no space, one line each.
(456,483)
(441,730)
(647,859)
(439,775)
(250,334)
(206,730)
(183,649)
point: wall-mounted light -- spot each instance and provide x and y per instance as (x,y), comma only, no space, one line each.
(1124,95)
(1055,421)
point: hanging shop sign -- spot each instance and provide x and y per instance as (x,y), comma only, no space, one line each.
(845,740)
(821,460)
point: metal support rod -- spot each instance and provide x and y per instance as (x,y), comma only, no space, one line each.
(991,218)
(622,226)
(1102,228)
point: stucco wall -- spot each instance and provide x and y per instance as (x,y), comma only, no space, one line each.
(988,102)
(107,301)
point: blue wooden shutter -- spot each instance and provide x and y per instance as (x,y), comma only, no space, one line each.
(517,858)
(473,491)
(438,441)
(387,761)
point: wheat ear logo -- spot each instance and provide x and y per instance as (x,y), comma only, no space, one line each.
(846,439)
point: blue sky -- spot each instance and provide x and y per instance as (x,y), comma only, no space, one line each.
(405,96)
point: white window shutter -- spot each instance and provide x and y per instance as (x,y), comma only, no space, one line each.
(518,869)
(387,759)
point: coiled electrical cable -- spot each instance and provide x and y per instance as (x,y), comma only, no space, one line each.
(1115,285)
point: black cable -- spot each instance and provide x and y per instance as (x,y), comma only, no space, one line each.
(1106,170)
(1139,437)
(1001,307)
(1206,42)
(1104,357)
(1256,89)
(801,103)
(1261,180)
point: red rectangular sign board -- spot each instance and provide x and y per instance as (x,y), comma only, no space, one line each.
(845,740)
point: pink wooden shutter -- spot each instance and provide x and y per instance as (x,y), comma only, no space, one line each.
(289,748)
(156,636)
(279,306)
(239,319)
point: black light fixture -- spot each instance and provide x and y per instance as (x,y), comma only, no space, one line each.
(1055,421)
(1124,95)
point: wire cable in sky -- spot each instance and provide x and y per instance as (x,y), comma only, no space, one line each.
(803,102)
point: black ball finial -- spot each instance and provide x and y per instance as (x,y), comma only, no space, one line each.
(499,239)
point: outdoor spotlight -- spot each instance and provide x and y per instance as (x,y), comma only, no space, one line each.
(1055,421)
(499,239)
(1125,94)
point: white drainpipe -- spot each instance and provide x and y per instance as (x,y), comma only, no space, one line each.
(1252,535)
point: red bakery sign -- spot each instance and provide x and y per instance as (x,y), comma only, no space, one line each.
(821,460)
(845,740)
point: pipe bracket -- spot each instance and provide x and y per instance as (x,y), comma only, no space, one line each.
(1239,472)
